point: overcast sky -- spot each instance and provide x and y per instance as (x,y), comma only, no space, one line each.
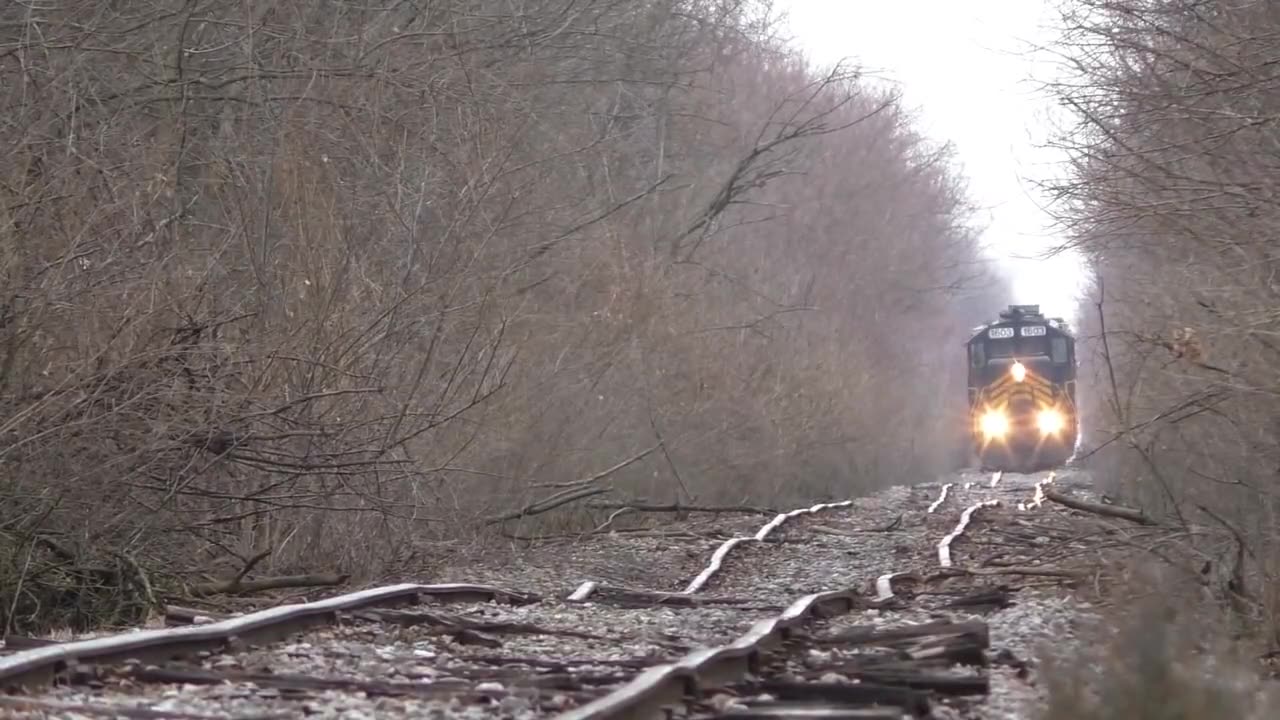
(963,66)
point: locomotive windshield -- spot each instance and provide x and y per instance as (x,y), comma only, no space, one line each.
(999,348)
(1020,347)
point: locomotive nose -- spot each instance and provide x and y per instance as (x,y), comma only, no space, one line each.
(1022,404)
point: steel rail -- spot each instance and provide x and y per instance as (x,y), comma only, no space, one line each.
(644,697)
(942,497)
(1038,499)
(43,664)
(944,545)
(584,591)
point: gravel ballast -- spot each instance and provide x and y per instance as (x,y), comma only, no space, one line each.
(541,659)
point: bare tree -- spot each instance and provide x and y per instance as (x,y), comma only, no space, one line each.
(1171,195)
(311,286)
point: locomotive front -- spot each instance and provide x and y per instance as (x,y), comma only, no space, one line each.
(1022,391)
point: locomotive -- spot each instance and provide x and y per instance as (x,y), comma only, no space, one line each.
(1022,391)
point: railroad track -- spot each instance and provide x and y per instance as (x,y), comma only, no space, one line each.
(873,608)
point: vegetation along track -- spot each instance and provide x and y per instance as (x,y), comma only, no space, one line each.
(896,605)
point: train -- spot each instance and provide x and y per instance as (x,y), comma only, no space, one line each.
(1022,391)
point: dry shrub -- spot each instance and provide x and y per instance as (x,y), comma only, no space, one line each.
(1171,196)
(339,283)
(1156,655)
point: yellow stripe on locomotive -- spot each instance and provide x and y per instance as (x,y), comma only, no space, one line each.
(1052,408)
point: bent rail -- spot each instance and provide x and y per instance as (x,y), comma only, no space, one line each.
(40,665)
(584,591)
(644,696)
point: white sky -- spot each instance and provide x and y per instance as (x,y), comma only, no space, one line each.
(964,66)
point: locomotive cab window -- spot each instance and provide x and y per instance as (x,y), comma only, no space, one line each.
(976,357)
(999,348)
(1059,351)
(1033,346)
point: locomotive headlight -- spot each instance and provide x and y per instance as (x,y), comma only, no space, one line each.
(1050,421)
(994,424)
(1018,371)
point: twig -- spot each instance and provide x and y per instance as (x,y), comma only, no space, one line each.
(653,423)
(249,565)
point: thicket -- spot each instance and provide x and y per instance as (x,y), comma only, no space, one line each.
(333,286)
(1172,196)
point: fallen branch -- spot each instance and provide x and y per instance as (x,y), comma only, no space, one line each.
(251,564)
(177,615)
(1011,570)
(631,597)
(443,623)
(238,586)
(39,705)
(540,506)
(857,531)
(578,490)
(629,532)
(1114,511)
(677,508)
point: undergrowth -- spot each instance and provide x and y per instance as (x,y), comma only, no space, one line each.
(1160,655)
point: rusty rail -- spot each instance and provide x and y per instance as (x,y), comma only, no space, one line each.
(645,696)
(42,665)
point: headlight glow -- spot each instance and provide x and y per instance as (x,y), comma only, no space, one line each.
(1018,371)
(1050,421)
(994,424)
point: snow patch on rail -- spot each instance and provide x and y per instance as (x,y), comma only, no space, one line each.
(944,545)
(585,590)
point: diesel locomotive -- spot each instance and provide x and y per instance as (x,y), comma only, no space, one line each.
(1022,391)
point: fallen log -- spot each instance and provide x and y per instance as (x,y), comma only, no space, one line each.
(629,597)
(890,527)
(1010,570)
(239,587)
(941,683)
(801,711)
(445,623)
(909,700)
(1115,511)
(13,643)
(984,600)
(563,664)
(907,634)
(64,709)
(954,643)
(177,615)
(437,687)
(681,508)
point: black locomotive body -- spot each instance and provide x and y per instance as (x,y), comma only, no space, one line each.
(1022,391)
